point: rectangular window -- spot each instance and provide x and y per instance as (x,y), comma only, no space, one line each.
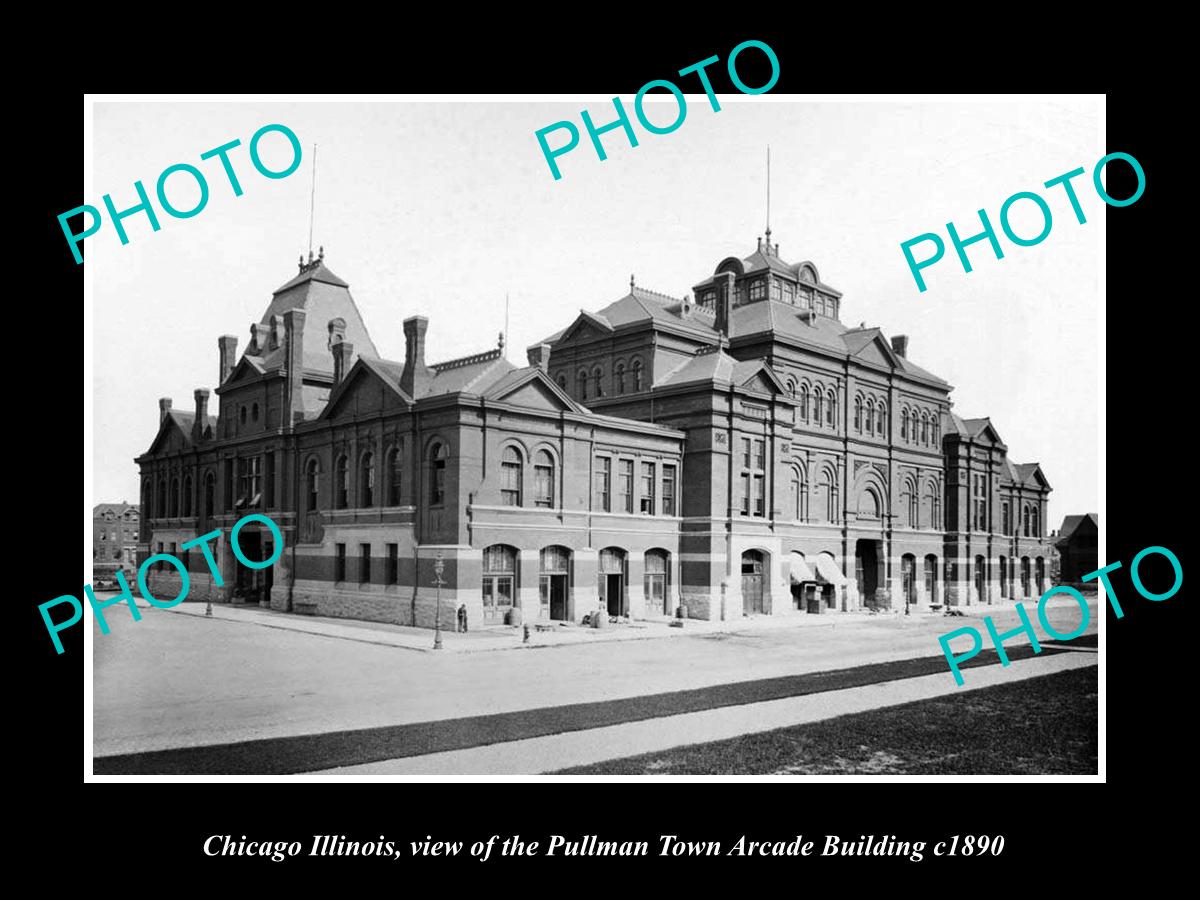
(625,485)
(646,500)
(543,486)
(668,490)
(602,476)
(364,563)
(269,476)
(393,563)
(776,289)
(339,562)
(745,493)
(789,293)
(760,457)
(758,289)
(510,483)
(759,495)
(745,453)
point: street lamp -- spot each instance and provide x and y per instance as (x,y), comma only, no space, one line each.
(439,566)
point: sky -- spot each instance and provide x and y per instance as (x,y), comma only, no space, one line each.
(443,208)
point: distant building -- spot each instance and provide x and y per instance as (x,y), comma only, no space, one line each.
(114,538)
(1076,543)
(743,454)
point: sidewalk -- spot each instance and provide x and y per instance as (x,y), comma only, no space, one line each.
(510,637)
(580,748)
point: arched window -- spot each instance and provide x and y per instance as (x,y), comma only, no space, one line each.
(438,454)
(881,417)
(187,495)
(870,416)
(499,581)
(597,390)
(803,402)
(1024,576)
(210,495)
(620,376)
(1026,523)
(931,504)
(924,429)
(934,426)
(510,476)
(636,366)
(1035,525)
(655,580)
(869,506)
(581,384)
(311,472)
(161,509)
(174,497)
(543,479)
(791,387)
(818,405)
(395,476)
(366,480)
(904,424)
(831,410)
(341,483)
(829,495)
(562,382)
(858,414)
(908,502)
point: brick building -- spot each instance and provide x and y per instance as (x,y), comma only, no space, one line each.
(114,538)
(742,454)
(1077,546)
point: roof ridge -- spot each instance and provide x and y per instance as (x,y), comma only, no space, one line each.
(470,384)
(467,360)
(644,290)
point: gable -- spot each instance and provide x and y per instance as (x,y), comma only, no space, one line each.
(362,392)
(534,391)
(585,328)
(535,395)
(170,438)
(878,353)
(244,369)
(761,382)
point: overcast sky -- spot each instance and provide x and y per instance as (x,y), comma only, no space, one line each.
(439,209)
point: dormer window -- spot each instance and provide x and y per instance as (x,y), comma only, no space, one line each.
(776,289)
(789,293)
(758,289)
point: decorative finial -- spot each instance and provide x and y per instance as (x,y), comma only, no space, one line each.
(760,243)
(500,340)
(301,262)
(321,253)
(631,282)
(310,256)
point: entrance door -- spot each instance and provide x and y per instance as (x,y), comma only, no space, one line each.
(558,597)
(980,579)
(614,594)
(752,582)
(908,577)
(246,585)
(931,578)
(867,569)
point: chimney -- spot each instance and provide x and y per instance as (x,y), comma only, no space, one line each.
(164,407)
(337,331)
(276,331)
(724,304)
(228,346)
(258,338)
(201,415)
(293,336)
(343,352)
(539,355)
(900,345)
(416,374)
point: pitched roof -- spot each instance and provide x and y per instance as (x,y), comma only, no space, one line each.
(322,296)
(776,317)
(471,374)
(118,509)
(713,365)
(1070,523)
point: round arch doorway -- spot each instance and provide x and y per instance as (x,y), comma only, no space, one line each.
(752,583)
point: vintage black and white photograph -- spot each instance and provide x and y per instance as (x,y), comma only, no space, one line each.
(478,440)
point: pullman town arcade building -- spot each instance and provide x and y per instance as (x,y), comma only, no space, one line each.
(741,453)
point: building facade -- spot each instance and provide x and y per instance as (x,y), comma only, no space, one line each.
(1076,542)
(742,454)
(115,530)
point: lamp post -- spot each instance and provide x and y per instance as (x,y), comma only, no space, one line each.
(439,566)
